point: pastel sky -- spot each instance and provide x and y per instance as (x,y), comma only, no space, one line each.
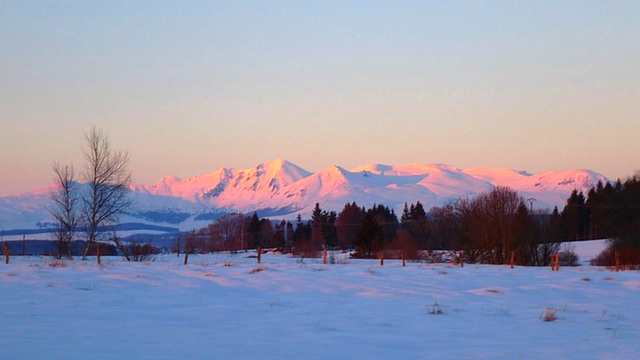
(188,87)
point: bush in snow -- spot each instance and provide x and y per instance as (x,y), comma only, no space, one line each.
(628,250)
(568,257)
(137,252)
(550,314)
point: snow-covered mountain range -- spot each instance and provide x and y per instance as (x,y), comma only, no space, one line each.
(280,189)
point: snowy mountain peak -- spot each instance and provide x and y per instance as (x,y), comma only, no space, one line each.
(283,170)
(566,179)
(334,170)
(329,181)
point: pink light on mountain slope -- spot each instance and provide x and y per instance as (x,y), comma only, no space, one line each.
(451,182)
(231,184)
(331,180)
(403,170)
(564,180)
(498,176)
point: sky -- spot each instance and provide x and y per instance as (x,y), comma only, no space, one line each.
(189,87)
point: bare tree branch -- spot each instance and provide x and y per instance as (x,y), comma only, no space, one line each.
(108,179)
(64,208)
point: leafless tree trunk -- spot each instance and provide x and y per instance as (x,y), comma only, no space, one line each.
(108,178)
(64,209)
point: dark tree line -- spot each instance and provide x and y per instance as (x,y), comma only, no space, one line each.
(325,229)
(488,227)
(492,227)
(608,211)
(233,232)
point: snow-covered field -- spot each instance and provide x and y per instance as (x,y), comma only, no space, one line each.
(227,307)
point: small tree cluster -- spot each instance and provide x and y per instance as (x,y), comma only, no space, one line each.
(494,225)
(376,231)
(323,228)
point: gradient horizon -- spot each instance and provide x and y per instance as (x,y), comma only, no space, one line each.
(186,89)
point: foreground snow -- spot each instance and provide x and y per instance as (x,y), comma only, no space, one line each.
(227,307)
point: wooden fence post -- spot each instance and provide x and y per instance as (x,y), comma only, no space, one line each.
(6,253)
(324,256)
(512,256)
(186,254)
(381,258)
(259,253)
(98,251)
(557,261)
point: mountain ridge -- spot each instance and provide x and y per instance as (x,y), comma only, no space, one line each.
(282,189)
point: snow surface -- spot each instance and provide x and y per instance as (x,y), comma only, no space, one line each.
(225,306)
(586,250)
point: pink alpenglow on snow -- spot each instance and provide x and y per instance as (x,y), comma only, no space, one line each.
(280,189)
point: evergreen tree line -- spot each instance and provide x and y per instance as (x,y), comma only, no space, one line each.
(608,211)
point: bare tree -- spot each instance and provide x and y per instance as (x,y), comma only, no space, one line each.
(226,233)
(64,208)
(107,177)
(494,220)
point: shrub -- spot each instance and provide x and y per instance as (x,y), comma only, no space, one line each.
(57,263)
(550,314)
(105,249)
(306,249)
(568,257)
(628,253)
(437,257)
(435,309)
(137,252)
